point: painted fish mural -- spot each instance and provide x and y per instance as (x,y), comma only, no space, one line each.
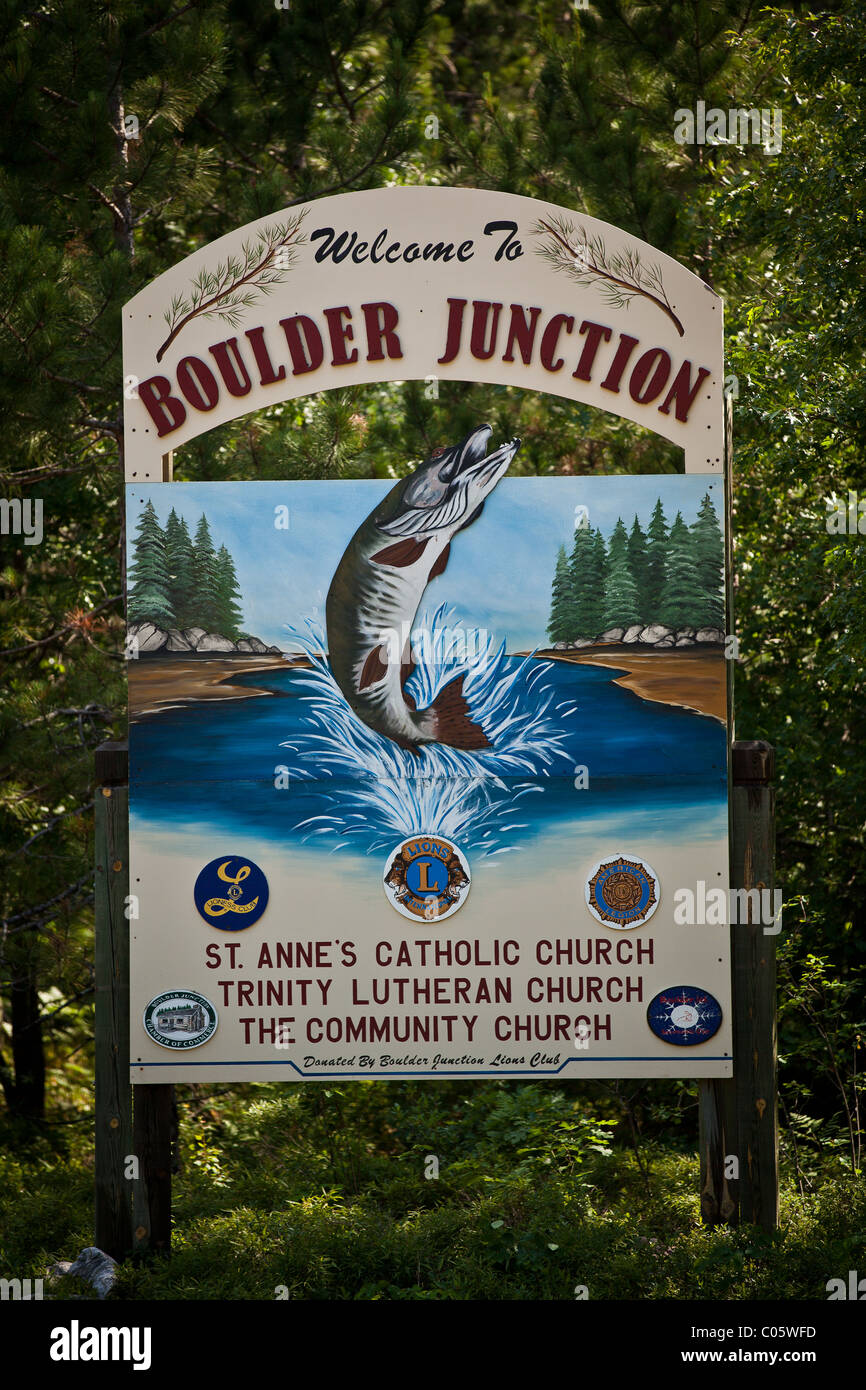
(379,583)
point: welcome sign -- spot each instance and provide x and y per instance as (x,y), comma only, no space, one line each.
(420,765)
(417,283)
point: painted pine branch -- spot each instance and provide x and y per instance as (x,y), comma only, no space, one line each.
(237,282)
(621,277)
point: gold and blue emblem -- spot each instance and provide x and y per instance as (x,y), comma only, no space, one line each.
(684,1015)
(622,892)
(426,878)
(231,893)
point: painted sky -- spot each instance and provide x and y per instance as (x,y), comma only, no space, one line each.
(500,569)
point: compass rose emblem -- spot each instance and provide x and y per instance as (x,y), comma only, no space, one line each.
(684,1016)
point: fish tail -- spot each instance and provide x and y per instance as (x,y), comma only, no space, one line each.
(454,724)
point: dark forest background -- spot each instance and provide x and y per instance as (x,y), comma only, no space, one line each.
(133,134)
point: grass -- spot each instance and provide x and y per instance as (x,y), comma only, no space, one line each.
(314,1192)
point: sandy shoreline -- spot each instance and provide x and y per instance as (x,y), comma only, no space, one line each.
(168,682)
(690,678)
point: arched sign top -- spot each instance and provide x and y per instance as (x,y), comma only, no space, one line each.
(420,283)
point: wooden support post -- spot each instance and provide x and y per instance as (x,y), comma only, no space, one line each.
(132,1213)
(717,1124)
(154,1121)
(113,1137)
(755,1045)
(738,1118)
(153,1118)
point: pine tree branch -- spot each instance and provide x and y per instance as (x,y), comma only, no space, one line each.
(154,207)
(40,366)
(41,909)
(92,711)
(49,154)
(368,91)
(41,475)
(229,283)
(58,96)
(106,201)
(143,171)
(578,257)
(46,829)
(85,993)
(335,72)
(212,125)
(168,19)
(112,427)
(351,178)
(61,632)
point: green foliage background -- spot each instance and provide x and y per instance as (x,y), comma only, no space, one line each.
(244,112)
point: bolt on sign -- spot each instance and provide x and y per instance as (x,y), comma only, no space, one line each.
(421,763)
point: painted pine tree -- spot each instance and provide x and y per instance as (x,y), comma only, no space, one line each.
(230,615)
(149,582)
(179,554)
(600,562)
(621,602)
(637,558)
(656,565)
(559,626)
(617,548)
(587,586)
(205,579)
(708,549)
(683,598)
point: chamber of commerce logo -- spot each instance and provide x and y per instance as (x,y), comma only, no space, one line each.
(231,894)
(622,892)
(684,1016)
(180,1019)
(427,878)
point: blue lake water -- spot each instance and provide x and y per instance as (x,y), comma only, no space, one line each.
(216,763)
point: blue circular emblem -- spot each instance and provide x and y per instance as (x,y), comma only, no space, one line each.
(622,892)
(684,1016)
(231,893)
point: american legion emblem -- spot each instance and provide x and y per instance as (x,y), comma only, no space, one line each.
(180,1018)
(426,878)
(622,892)
(684,1015)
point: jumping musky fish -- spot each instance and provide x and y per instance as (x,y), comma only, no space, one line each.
(378,585)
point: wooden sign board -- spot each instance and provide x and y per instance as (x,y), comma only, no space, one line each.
(428,773)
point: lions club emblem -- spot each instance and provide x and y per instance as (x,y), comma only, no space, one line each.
(684,1016)
(426,878)
(231,894)
(622,892)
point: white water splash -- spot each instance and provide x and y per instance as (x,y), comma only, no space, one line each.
(388,793)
